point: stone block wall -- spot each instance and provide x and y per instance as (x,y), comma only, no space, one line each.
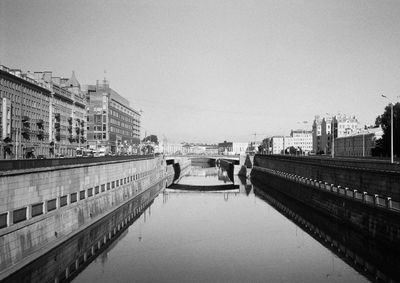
(370,180)
(52,205)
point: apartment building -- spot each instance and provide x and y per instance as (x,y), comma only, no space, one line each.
(112,125)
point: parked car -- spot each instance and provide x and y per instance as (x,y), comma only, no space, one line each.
(40,156)
(59,155)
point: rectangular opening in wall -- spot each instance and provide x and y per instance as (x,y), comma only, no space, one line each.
(113,184)
(96,190)
(121,182)
(103,187)
(108,186)
(19,215)
(82,195)
(51,204)
(37,209)
(124,180)
(74,197)
(117,183)
(63,201)
(90,192)
(3,220)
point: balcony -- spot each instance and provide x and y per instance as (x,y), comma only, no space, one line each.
(70,120)
(57,116)
(57,126)
(25,133)
(40,135)
(40,123)
(69,129)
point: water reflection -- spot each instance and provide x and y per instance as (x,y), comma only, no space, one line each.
(202,178)
(218,237)
(245,235)
(375,261)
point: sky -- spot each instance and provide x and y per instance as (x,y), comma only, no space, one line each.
(208,71)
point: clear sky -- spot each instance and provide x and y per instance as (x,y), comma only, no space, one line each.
(208,71)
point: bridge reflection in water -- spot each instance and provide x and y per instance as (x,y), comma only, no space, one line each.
(376,261)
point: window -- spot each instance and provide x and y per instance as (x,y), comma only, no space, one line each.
(3,220)
(82,195)
(108,186)
(51,204)
(96,190)
(63,201)
(117,183)
(113,184)
(37,209)
(90,192)
(19,215)
(74,197)
(103,187)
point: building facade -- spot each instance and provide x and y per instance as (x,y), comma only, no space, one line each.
(112,125)
(68,114)
(40,114)
(359,144)
(326,129)
(25,115)
(302,140)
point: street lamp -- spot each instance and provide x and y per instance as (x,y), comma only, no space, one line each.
(391,128)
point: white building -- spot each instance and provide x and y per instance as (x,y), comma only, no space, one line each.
(303,140)
(239,147)
(279,143)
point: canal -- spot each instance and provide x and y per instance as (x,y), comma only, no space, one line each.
(216,236)
(208,228)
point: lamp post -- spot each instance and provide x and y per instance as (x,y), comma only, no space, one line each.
(391,127)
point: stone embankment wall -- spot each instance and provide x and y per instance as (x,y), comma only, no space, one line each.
(375,215)
(39,209)
(68,259)
(370,176)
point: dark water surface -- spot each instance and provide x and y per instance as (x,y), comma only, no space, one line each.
(230,236)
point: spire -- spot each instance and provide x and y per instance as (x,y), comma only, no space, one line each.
(73,82)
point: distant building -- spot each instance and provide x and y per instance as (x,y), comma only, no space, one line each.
(302,139)
(239,147)
(225,148)
(232,148)
(316,134)
(211,149)
(279,143)
(172,148)
(360,143)
(25,117)
(112,125)
(322,133)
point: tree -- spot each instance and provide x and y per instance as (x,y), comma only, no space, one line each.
(151,138)
(383,146)
(294,150)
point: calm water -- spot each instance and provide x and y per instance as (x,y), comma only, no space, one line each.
(217,237)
